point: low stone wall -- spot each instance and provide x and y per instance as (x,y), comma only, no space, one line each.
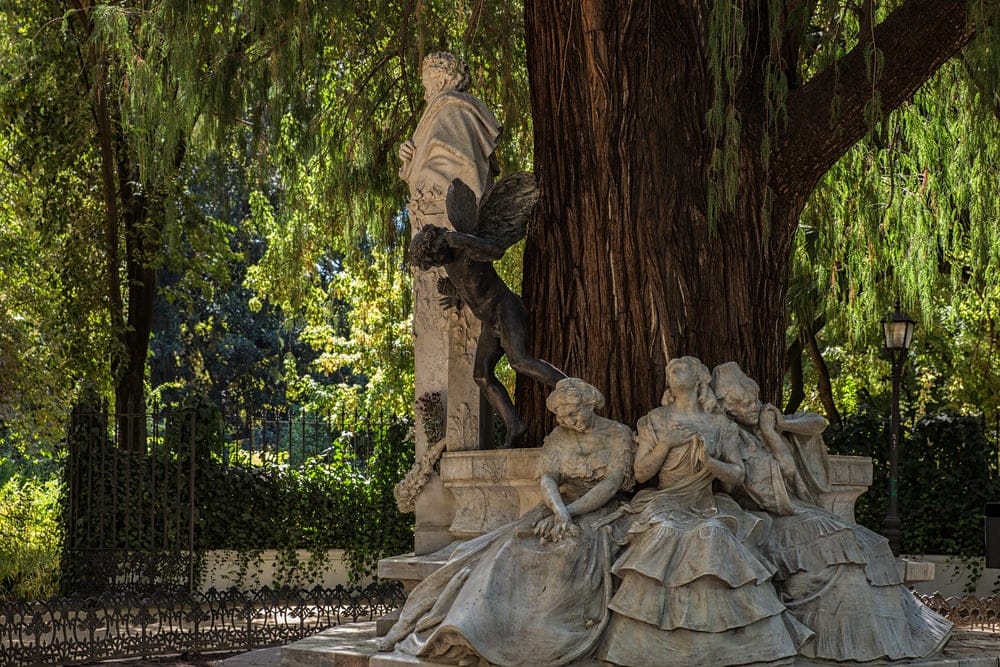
(494,487)
(951,577)
(225,569)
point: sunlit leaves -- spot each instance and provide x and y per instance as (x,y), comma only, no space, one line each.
(911,211)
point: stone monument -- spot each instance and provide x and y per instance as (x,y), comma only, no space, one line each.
(703,567)
(741,548)
(472,282)
(455,138)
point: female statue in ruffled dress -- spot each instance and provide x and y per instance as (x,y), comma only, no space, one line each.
(534,592)
(695,589)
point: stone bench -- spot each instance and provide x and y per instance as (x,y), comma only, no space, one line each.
(494,487)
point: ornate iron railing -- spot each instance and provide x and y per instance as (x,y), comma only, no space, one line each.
(967,611)
(78,629)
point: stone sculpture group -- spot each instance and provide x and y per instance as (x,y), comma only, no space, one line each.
(725,557)
(709,566)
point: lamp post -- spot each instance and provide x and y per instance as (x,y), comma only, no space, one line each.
(897,328)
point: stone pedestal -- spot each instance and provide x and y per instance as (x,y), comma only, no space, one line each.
(444,351)
(430,347)
(491,488)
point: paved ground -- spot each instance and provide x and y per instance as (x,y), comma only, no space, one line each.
(965,646)
(267,657)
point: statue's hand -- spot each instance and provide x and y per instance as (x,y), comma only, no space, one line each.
(776,414)
(450,302)
(406,150)
(449,295)
(553,527)
(675,435)
(768,419)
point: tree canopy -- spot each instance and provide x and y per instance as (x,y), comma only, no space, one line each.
(684,153)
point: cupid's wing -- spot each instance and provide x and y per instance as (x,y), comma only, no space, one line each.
(461,205)
(505,209)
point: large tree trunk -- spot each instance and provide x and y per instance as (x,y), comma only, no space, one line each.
(623,269)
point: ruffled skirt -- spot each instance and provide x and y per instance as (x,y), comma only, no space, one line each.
(842,581)
(507,599)
(694,589)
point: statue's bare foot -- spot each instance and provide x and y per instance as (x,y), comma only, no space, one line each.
(515,436)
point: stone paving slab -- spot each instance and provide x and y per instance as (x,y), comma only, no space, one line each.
(348,645)
(265,657)
(354,645)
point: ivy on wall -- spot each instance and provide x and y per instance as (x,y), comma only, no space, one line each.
(322,505)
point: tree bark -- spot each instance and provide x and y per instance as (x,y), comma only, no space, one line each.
(142,238)
(622,268)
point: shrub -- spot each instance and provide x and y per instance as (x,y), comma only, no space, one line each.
(340,498)
(29,537)
(330,502)
(947,472)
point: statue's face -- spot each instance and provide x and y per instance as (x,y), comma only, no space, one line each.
(681,375)
(743,405)
(575,416)
(433,80)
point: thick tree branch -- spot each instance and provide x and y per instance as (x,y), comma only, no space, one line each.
(827,115)
(793,362)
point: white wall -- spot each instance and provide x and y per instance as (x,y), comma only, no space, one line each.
(950,577)
(222,570)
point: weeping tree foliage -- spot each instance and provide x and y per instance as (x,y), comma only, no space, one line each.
(32,363)
(103,105)
(910,212)
(110,107)
(677,146)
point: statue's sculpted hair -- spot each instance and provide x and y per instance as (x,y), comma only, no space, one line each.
(729,378)
(574,390)
(453,70)
(428,248)
(706,397)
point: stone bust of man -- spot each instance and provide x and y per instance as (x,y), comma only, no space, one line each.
(455,138)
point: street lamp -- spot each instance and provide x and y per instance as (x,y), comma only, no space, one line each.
(897,328)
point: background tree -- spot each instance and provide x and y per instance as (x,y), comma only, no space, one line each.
(677,149)
(112,105)
(677,146)
(910,210)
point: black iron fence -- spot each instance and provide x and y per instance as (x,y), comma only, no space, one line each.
(130,509)
(135,531)
(966,611)
(142,489)
(78,629)
(293,437)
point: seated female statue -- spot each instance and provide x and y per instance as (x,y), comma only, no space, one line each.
(695,589)
(534,592)
(838,578)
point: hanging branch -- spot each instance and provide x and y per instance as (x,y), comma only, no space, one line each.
(915,40)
